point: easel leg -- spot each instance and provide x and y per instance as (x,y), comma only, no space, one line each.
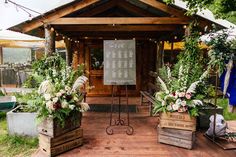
(130,129)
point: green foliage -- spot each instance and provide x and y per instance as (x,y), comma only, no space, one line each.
(183,90)
(220,8)
(224,104)
(53,68)
(221,50)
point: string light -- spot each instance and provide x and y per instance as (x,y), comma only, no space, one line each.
(175,37)
(23,8)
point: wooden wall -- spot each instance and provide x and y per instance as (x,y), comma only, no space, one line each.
(146,57)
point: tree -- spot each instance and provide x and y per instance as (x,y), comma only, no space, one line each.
(220,8)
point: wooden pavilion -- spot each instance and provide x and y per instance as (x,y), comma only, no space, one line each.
(84,24)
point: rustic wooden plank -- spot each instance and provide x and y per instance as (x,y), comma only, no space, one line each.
(69,136)
(178,125)
(182,134)
(119,20)
(52,128)
(177,116)
(178,121)
(57,14)
(175,141)
(53,151)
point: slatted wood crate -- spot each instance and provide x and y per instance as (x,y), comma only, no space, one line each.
(54,146)
(176,137)
(178,121)
(52,128)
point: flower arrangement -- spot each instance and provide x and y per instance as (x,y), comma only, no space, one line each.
(59,103)
(60,89)
(175,96)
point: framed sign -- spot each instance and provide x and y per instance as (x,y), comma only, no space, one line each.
(119,62)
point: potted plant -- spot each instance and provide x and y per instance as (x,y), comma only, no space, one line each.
(181,94)
(61,78)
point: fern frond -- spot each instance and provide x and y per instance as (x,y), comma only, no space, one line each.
(163,85)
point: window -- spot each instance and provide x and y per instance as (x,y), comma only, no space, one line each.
(16,55)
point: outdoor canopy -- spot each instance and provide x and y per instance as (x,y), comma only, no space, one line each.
(16,39)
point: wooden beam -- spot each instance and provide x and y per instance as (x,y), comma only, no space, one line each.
(164,7)
(113,35)
(119,20)
(107,28)
(57,14)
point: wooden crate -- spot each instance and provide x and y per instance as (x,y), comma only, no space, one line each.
(178,121)
(54,146)
(52,128)
(177,137)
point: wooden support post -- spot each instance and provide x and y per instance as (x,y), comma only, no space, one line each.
(1,55)
(160,56)
(68,51)
(81,53)
(172,53)
(49,40)
(75,61)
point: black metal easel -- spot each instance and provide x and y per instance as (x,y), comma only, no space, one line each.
(119,121)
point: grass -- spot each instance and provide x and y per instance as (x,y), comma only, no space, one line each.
(224,104)
(19,146)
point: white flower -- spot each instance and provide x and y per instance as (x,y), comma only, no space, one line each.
(79,83)
(59,94)
(175,107)
(64,104)
(49,105)
(46,87)
(193,87)
(62,91)
(169,108)
(84,106)
(55,99)
(197,102)
(163,103)
(72,107)
(183,103)
(47,97)
(181,94)
(67,88)
(178,101)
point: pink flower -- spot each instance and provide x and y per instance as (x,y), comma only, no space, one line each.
(188,96)
(181,94)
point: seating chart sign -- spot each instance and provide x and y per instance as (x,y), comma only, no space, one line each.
(119,62)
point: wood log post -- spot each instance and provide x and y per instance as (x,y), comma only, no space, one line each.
(69,53)
(49,40)
(160,56)
(81,53)
(1,55)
